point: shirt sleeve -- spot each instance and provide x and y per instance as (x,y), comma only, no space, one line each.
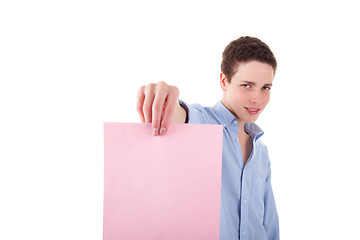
(195,113)
(271,220)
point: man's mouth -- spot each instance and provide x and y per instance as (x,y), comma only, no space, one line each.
(252,111)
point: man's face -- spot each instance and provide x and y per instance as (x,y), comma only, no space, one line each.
(249,91)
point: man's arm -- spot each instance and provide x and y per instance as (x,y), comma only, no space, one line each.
(158,103)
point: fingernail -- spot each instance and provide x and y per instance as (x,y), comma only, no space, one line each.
(156,131)
(162,131)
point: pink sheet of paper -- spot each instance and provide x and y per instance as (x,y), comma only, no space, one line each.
(163,187)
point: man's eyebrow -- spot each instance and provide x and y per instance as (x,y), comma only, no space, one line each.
(253,83)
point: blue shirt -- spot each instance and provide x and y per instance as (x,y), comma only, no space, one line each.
(247,209)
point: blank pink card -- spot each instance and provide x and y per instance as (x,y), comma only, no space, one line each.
(163,187)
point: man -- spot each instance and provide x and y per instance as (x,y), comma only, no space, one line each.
(248,67)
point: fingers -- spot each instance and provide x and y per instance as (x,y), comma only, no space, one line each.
(156,104)
(149,92)
(171,101)
(140,103)
(145,98)
(157,112)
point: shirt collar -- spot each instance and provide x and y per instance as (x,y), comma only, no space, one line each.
(227,118)
(253,130)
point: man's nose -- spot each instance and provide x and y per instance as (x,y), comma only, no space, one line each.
(255,97)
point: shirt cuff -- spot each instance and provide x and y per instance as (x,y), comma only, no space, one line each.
(185,107)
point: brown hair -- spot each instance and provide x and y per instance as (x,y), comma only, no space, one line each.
(245,49)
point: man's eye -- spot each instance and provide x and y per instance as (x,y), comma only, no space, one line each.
(245,85)
(266,88)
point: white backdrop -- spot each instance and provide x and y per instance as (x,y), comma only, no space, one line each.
(68,66)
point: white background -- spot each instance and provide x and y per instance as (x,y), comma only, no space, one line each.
(68,66)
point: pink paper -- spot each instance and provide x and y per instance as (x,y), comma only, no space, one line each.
(163,187)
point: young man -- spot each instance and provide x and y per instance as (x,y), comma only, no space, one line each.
(248,67)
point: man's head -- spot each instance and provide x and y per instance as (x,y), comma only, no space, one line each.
(242,50)
(247,73)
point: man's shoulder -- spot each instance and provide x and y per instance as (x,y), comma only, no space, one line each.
(198,113)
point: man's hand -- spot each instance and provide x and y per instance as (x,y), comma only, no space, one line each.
(158,103)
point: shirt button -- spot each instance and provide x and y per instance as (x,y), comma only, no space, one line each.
(243,233)
(244,201)
(237,139)
(235,121)
(224,124)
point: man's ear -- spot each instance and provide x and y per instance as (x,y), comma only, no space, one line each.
(223,81)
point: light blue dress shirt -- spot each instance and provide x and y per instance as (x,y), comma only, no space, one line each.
(247,208)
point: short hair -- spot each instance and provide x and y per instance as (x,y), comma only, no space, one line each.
(245,49)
